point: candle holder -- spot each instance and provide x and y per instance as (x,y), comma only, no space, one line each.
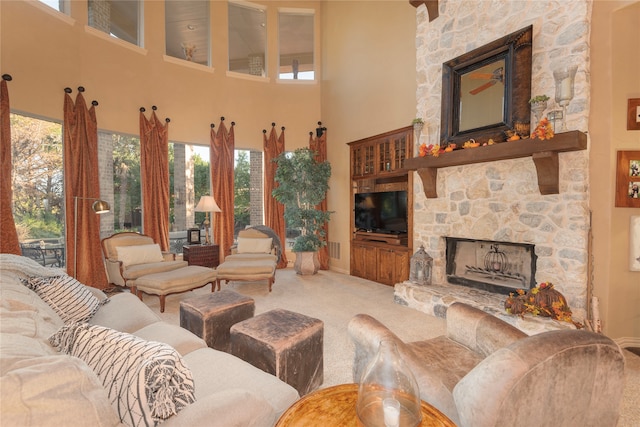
(418,124)
(388,394)
(564,78)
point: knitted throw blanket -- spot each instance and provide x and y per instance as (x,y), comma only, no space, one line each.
(26,267)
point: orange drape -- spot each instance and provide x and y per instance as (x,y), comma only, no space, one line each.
(81,180)
(221,160)
(273,210)
(8,236)
(319,145)
(154,170)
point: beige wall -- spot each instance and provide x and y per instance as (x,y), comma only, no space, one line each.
(615,37)
(45,54)
(368,87)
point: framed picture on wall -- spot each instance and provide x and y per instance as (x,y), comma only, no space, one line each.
(628,179)
(193,236)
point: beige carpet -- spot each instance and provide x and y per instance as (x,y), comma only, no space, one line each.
(335,298)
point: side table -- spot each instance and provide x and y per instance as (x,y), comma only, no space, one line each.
(204,255)
(336,406)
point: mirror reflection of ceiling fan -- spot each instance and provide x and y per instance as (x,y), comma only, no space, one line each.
(493,78)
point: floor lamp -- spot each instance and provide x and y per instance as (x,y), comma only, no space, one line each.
(99,207)
(207,204)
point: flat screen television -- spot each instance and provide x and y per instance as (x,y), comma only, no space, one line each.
(381,212)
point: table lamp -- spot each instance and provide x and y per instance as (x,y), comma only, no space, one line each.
(207,204)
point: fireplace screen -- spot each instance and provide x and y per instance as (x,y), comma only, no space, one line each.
(500,267)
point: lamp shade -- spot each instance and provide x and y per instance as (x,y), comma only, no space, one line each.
(100,207)
(207,204)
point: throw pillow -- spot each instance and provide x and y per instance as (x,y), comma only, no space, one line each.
(139,254)
(251,245)
(70,299)
(147,381)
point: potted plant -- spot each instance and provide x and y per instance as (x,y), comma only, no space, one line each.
(302,185)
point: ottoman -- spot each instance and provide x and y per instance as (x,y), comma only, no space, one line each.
(175,281)
(211,316)
(283,343)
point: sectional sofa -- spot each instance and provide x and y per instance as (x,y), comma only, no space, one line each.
(117,362)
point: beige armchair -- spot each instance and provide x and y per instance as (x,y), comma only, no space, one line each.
(129,256)
(485,372)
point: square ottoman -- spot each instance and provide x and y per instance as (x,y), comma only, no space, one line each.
(283,343)
(211,316)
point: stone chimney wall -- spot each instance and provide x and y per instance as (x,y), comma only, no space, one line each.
(500,200)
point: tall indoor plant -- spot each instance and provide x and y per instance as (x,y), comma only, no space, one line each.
(302,184)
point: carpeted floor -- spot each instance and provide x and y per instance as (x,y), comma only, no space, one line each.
(335,298)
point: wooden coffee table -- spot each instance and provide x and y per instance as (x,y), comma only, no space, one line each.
(336,406)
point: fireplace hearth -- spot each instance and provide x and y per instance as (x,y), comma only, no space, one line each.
(498,267)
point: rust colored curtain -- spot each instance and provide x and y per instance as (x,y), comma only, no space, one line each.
(319,145)
(8,236)
(154,170)
(81,180)
(273,210)
(221,160)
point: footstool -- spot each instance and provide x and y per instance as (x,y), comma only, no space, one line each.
(210,317)
(283,343)
(175,281)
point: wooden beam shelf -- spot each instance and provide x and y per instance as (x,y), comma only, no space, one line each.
(544,155)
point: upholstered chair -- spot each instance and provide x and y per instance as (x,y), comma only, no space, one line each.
(485,372)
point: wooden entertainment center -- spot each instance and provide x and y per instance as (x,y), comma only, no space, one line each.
(377,166)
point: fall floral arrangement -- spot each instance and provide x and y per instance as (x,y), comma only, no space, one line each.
(542,300)
(543,130)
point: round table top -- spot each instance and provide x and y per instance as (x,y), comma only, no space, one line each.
(336,406)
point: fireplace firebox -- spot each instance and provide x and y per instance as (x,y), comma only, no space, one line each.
(499,267)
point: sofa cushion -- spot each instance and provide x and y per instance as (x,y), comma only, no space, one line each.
(54,390)
(139,254)
(125,313)
(69,298)
(254,245)
(146,381)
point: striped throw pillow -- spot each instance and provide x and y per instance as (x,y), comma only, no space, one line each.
(72,300)
(147,381)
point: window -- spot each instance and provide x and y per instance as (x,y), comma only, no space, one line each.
(38,198)
(127,193)
(295,34)
(247,39)
(186,25)
(119,18)
(59,5)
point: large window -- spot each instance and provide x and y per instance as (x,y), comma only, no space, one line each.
(37,180)
(119,18)
(247,39)
(295,34)
(187,30)
(59,5)
(127,195)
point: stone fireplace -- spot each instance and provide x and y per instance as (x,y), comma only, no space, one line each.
(499,201)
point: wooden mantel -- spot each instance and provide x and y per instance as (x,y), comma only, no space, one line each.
(431,5)
(543,153)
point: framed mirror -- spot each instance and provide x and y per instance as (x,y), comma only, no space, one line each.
(486,92)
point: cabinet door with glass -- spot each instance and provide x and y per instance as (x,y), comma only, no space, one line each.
(363,160)
(393,150)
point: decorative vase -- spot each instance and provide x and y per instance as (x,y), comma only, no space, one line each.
(388,394)
(306,263)
(538,108)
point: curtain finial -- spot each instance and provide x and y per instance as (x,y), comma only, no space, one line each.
(142,109)
(264,131)
(310,133)
(233,123)
(80,88)
(94,103)
(67,90)
(167,120)
(222,118)
(319,123)
(282,128)
(154,108)
(212,125)
(273,124)
(7,77)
